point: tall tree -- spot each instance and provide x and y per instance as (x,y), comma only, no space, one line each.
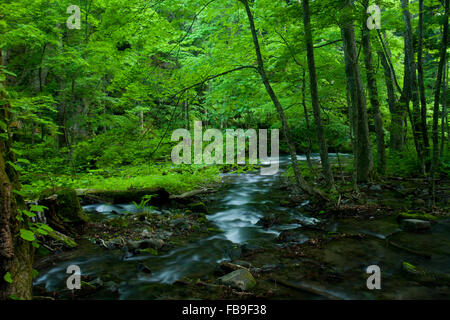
(423,98)
(363,157)
(16,254)
(437,92)
(444,119)
(301,182)
(410,84)
(396,107)
(373,92)
(326,167)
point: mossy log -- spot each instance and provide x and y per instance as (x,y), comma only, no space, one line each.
(63,211)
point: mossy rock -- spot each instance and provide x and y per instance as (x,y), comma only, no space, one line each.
(67,241)
(64,211)
(240,279)
(417,216)
(198,207)
(420,275)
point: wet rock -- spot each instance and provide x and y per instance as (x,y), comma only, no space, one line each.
(273,219)
(293,235)
(249,249)
(415,225)
(412,270)
(376,187)
(63,211)
(240,279)
(198,207)
(144,244)
(144,269)
(111,286)
(146,234)
(180,223)
(270,267)
(242,263)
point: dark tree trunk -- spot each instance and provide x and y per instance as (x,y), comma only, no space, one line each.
(16,254)
(363,156)
(373,93)
(326,167)
(396,128)
(444,109)
(308,127)
(411,84)
(442,60)
(423,99)
(301,182)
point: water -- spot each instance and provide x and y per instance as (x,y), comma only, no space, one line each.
(234,211)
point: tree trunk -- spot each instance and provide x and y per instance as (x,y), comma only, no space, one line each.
(444,109)
(442,60)
(363,156)
(423,99)
(308,128)
(396,128)
(16,254)
(411,84)
(373,93)
(326,167)
(186,115)
(301,182)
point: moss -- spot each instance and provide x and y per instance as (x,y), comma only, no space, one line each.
(68,205)
(418,216)
(198,207)
(69,242)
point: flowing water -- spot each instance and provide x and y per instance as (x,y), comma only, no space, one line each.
(235,211)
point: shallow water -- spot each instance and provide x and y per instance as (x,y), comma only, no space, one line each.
(235,211)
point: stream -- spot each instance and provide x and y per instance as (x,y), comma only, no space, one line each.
(235,211)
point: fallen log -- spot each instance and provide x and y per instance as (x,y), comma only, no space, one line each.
(92,196)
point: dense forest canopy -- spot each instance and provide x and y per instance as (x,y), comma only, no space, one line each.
(92,102)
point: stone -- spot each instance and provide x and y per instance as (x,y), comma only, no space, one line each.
(198,207)
(144,244)
(376,187)
(144,269)
(415,225)
(240,279)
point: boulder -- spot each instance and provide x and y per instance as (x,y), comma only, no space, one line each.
(240,279)
(415,225)
(144,244)
(198,207)
(63,211)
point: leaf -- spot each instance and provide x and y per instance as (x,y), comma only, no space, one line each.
(28,213)
(46,227)
(26,161)
(27,235)
(37,208)
(15,166)
(7,277)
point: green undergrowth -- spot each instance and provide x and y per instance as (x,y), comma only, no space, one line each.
(175,179)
